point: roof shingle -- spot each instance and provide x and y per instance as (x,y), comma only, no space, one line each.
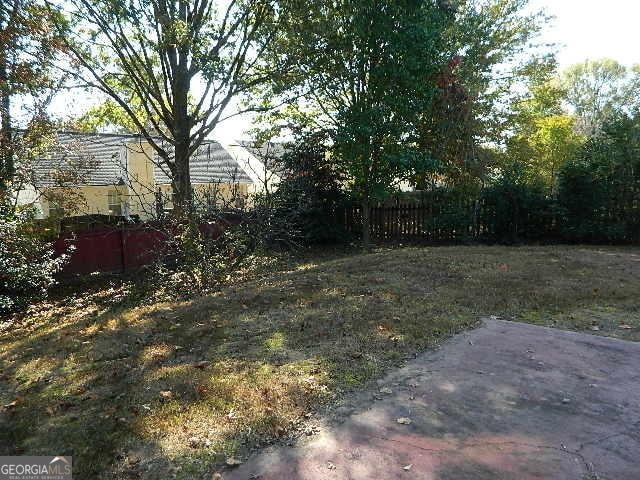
(100,159)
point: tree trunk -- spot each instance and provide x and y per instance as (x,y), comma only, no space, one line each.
(181,182)
(366,223)
(7,166)
(183,195)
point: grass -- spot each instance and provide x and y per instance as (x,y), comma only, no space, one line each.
(172,390)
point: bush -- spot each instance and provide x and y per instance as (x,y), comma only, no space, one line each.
(599,189)
(27,263)
(200,252)
(303,209)
(517,209)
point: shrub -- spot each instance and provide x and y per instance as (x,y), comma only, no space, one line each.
(27,263)
(200,252)
(599,189)
(303,209)
(517,209)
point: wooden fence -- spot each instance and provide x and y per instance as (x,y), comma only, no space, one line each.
(120,248)
(440,217)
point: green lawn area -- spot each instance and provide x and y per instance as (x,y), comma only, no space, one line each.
(174,389)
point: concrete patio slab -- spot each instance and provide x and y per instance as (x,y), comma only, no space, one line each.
(504,401)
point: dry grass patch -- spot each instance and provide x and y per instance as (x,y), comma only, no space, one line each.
(174,389)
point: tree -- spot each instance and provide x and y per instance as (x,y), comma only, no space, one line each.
(108,115)
(597,90)
(27,263)
(554,142)
(599,188)
(543,136)
(489,47)
(28,49)
(364,70)
(181,61)
(303,209)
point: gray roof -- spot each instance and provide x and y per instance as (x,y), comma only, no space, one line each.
(210,163)
(267,152)
(83,159)
(98,159)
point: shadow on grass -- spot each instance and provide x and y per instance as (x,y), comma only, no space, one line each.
(178,388)
(128,389)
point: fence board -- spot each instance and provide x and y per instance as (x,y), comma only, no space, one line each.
(436,217)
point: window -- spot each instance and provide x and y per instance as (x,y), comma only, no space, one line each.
(114,201)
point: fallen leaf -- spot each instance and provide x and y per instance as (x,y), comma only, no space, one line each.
(404,421)
(11,405)
(201,389)
(166,394)
(406,468)
(331,466)
(386,391)
(233,462)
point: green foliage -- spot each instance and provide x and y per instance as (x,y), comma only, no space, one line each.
(489,48)
(27,264)
(517,209)
(29,46)
(549,143)
(543,136)
(365,66)
(598,89)
(553,143)
(405,89)
(28,51)
(599,190)
(106,116)
(303,209)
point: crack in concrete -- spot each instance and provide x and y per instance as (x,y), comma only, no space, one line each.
(626,432)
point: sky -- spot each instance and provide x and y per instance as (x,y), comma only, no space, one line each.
(593,29)
(581,29)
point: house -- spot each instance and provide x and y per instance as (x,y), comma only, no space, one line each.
(117,174)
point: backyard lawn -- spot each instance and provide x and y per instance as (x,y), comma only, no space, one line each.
(179,389)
